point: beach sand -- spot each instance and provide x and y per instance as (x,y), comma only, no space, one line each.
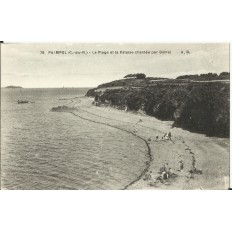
(211,154)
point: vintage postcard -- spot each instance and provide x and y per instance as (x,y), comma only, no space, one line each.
(115,116)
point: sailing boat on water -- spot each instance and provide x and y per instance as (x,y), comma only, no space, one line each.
(22,101)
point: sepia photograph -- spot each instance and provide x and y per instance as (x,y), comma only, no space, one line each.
(115,116)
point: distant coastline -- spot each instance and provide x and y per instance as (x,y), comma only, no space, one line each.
(13,87)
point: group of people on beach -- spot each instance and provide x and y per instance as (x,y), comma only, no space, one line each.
(167,136)
(166,172)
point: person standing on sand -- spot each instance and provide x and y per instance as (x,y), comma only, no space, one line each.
(170,172)
(181,165)
(164,175)
(169,135)
(148,176)
(166,167)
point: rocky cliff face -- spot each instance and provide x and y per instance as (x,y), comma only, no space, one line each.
(202,107)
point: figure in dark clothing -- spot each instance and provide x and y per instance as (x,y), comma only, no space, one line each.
(148,176)
(181,165)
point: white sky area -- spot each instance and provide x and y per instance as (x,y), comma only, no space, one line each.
(23,65)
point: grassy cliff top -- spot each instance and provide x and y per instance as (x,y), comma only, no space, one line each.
(149,81)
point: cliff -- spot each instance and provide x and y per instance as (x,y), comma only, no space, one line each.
(198,103)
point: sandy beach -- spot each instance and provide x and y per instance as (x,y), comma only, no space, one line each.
(211,154)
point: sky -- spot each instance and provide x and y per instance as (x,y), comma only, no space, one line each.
(33,65)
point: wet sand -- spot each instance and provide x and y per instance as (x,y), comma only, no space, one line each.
(211,154)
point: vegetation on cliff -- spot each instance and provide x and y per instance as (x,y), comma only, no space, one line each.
(206,77)
(197,106)
(137,75)
(131,82)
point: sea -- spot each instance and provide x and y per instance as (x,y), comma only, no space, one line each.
(41,149)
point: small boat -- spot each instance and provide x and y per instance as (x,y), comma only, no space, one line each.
(22,102)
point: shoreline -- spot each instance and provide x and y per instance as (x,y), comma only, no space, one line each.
(208,151)
(147,144)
